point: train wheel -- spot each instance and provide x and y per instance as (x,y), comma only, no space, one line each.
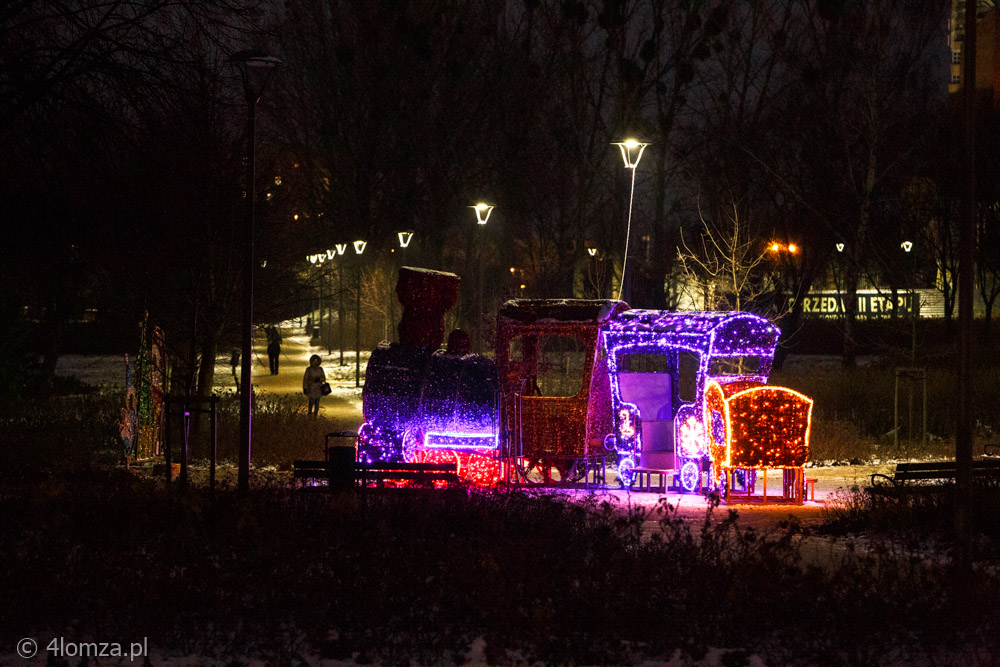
(626,476)
(690,476)
(529,472)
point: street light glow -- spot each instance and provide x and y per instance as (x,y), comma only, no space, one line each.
(405,238)
(483,212)
(840,247)
(359,246)
(792,248)
(775,247)
(591,251)
(341,248)
(631,150)
(906,246)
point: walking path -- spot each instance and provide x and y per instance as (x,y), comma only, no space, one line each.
(296,348)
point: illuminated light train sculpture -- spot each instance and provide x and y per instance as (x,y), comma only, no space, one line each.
(574,379)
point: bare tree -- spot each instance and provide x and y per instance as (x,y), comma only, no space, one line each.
(726,263)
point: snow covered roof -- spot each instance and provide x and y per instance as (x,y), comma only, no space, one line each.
(717,333)
(555,311)
(417,269)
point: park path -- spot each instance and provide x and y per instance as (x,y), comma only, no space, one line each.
(344,404)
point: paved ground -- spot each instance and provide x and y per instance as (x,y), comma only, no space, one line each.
(296,348)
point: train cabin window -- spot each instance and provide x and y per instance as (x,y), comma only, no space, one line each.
(549,365)
(687,376)
(734,366)
(641,362)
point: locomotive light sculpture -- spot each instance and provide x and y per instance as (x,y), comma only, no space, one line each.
(577,379)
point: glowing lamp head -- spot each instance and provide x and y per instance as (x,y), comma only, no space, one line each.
(405,238)
(591,251)
(483,212)
(775,247)
(311,258)
(341,248)
(907,246)
(631,150)
(840,247)
(792,248)
(359,246)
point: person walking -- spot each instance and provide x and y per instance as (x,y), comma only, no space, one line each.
(313,381)
(273,349)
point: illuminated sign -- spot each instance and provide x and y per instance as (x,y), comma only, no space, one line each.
(870,304)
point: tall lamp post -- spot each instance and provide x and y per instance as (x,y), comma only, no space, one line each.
(631,154)
(404,237)
(483,212)
(359,247)
(907,246)
(341,249)
(255,69)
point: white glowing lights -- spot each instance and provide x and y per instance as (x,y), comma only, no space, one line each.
(631,150)
(483,212)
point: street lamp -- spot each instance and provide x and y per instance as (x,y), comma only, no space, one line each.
(405,237)
(359,247)
(483,212)
(907,246)
(255,69)
(631,154)
(341,249)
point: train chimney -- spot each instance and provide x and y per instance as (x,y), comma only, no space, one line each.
(426,296)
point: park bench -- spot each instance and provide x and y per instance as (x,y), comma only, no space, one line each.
(362,474)
(938,470)
(339,469)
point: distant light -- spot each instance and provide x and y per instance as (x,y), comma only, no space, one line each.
(341,248)
(277,180)
(295,217)
(268,196)
(591,251)
(792,248)
(523,285)
(312,259)
(483,212)
(405,238)
(840,247)
(330,254)
(775,247)
(906,245)
(263,263)
(359,246)
(512,269)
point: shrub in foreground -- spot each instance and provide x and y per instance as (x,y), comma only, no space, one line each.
(424,575)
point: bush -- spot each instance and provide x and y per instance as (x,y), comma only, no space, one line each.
(422,576)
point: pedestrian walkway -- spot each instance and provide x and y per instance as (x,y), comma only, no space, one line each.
(296,348)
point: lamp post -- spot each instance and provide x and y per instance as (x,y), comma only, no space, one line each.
(483,212)
(341,249)
(255,69)
(631,154)
(405,237)
(907,246)
(359,247)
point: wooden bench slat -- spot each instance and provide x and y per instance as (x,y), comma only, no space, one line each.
(378,472)
(909,471)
